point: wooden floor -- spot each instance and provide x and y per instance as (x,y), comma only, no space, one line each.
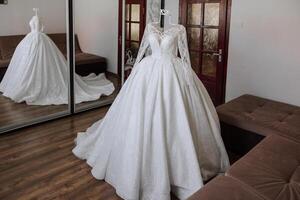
(19,113)
(12,113)
(37,162)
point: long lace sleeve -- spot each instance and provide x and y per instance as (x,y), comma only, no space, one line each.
(143,46)
(184,54)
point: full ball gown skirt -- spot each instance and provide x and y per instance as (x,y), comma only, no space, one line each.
(162,132)
(38,74)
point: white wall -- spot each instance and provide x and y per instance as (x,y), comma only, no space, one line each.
(264,51)
(96,24)
(15,16)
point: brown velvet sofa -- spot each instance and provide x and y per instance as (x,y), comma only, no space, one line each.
(267,134)
(85,63)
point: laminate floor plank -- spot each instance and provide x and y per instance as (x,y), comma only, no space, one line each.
(33,183)
(56,183)
(15,174)
(49,128)
(37,162)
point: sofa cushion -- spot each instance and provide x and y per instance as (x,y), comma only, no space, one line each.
(262,116)
(272,168)
(85,58)
(226,188)
(89,63)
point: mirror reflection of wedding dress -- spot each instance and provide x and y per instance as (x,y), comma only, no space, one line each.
(38,74)
(162,133)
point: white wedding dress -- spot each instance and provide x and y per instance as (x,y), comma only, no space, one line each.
(162,133)
(38,74)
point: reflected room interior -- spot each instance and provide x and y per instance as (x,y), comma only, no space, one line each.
(19,103)
(98,42)
(96,51)
(101,31)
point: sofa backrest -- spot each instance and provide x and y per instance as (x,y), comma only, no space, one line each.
(60,39)
(8,44)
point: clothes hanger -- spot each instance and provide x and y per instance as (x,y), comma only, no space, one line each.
(167,13)
(36,10)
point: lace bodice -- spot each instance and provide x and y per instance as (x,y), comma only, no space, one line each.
(35,24)
(166,43)
(163,42)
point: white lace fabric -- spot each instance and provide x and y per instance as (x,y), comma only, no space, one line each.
(176,30)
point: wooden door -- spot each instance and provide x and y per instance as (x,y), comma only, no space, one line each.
(206,23)
(135,19)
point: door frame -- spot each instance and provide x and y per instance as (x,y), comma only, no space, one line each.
(120,31)
(223,74)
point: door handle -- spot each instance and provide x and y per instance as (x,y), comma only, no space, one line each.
(220,55)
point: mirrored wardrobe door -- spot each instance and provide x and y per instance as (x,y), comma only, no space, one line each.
(96,80)
(34,69)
